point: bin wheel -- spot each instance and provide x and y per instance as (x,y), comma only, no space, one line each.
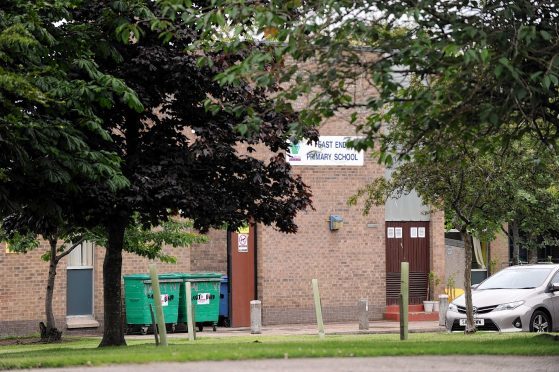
(200,328)
(214,328)
(144,330)
(172,328)
(226,322)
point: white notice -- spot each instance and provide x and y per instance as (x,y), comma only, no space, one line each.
(203,299)
(398,232)
(242,241)
(413,232)
(390,233)
(164,300)
(421,232)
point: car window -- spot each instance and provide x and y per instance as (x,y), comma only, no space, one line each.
(555,278)
(516,278)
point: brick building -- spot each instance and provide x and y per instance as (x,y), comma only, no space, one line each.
(349,263)
(355,261)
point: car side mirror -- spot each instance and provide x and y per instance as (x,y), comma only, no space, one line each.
(554,287)
(474,286)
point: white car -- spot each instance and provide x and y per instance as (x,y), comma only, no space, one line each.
(518,298)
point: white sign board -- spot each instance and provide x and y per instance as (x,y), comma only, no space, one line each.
(421,232)
(164,300)
(390,233)
(242,240)
(398,232)
(203,299)
(329,150)
(413,232)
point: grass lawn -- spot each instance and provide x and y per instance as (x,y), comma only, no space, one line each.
(84,351)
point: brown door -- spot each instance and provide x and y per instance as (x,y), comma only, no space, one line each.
(407,241)
(242,274)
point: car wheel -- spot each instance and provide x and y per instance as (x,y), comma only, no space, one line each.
(540,322)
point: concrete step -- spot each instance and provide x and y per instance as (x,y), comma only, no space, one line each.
(415,314)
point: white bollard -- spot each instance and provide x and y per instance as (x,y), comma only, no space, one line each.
(318,308)
(443,307)
(363,314)
(255,317)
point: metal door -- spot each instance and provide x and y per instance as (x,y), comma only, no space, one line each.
(242,274)
(407,241)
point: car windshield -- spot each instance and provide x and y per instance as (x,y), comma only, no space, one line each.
(516,279)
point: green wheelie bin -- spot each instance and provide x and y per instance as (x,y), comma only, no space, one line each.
(138,295)
(205,298)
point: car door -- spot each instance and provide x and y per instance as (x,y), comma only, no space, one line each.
(555,303)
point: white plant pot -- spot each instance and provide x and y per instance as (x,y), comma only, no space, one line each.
(428,306)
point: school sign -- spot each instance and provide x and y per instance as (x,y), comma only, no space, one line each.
(328,151)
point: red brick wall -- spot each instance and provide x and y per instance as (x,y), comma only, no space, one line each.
(23,283)
(438,251)
(349,263)
(211,256)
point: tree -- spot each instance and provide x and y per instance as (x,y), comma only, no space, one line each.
(483,64)
(48,130)
(479,192)
(180,154)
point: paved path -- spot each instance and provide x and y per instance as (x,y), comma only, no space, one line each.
(400,364)
(375,327)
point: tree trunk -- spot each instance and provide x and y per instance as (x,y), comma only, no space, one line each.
(49,332)
(515,244)
(113,332)
(470,324)
(532,255)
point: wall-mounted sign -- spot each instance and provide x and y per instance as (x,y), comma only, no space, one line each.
(398,232)
(413,232)
(329,150)
(421,232)
(390,233)
(242,240)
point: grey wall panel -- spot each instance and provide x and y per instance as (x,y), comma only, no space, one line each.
(408,207)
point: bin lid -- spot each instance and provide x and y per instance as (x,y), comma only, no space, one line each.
(205,275)
(136,277)
(170,276)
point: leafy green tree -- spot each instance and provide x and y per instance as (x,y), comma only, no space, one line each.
(49,133)
(180,153)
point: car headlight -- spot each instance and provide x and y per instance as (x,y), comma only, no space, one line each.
(508,306)
(452,307)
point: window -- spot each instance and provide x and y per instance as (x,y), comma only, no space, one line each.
(81,256)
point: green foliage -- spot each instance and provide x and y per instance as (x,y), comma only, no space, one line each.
(433,281)
(18,242)
(149,242)
(49,88)
(480,65)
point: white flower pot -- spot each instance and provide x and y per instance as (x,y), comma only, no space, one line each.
(428,306)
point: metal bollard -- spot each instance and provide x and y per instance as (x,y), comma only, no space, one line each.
(363,313)
(443,307)
(255,317)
